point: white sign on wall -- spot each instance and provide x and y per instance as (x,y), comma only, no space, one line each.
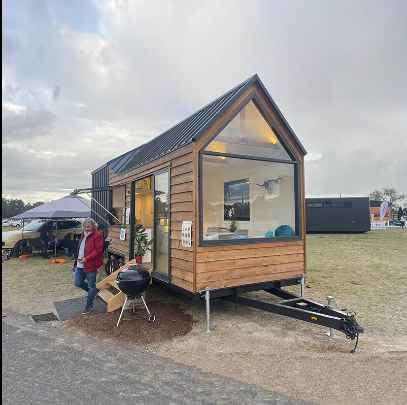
(122,233)
(127,215)
(186,234)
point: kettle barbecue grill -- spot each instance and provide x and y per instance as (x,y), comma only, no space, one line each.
(134,282)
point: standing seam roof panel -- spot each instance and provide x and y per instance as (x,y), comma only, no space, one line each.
(186,131)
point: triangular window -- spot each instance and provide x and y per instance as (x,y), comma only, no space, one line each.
(249,134)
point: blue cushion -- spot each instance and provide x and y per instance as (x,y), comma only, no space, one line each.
(269,234)
(284,231)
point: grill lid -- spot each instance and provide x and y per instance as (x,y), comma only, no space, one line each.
(134,273)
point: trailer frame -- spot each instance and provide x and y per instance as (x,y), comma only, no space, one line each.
(292,306)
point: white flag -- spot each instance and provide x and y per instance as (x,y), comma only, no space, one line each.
(384,207)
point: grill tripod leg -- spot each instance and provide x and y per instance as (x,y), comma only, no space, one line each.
(122,311)
(151,317)
(145,306)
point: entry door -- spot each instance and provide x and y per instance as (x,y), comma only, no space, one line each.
(144,210)
(161,223)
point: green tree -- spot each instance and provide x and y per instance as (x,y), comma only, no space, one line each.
(14,206)
(376,195)
(389,194)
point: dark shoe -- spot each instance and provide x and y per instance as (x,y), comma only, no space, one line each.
(87,310)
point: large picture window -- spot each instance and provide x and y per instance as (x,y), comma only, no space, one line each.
(249,134)
(248,183)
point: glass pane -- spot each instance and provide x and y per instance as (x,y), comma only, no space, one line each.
(247,199)
(161,188)
(144,210)
(161,195)
(249,134)
(144,203)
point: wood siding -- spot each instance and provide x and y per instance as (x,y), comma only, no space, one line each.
(120,247)
(180,164)
(234,265)
(182,209)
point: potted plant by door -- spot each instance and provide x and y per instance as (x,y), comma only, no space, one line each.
(142,245)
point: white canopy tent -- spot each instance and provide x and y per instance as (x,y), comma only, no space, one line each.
(70,206)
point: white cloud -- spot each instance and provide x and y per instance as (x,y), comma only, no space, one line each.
(313,157)
(78,91)
(11,108)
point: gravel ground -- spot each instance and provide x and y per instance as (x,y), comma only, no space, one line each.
(43,364)
(366,273)
(293,357)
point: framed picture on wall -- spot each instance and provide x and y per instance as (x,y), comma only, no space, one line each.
(237,200)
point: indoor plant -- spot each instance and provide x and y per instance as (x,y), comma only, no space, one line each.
(142,244)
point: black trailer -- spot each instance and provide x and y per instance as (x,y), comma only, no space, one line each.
(336,215)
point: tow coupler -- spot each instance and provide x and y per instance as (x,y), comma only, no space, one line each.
(306,310)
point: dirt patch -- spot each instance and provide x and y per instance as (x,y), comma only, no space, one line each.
(171,321)
(293,357)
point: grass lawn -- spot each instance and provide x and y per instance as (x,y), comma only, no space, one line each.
(366,273)
(31,286)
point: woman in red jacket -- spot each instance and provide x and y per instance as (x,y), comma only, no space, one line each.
(89,258)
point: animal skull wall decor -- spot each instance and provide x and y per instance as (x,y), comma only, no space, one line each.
(271,188)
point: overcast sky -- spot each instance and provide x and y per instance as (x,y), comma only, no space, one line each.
(84,81)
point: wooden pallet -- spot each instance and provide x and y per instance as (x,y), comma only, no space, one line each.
(109,291)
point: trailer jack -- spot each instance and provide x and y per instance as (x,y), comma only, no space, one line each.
(306,310)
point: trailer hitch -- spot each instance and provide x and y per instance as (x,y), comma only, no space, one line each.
(352,329)
(306,310)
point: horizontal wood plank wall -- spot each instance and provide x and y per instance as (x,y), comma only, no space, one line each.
(235,265)
(116,245)
(182,209)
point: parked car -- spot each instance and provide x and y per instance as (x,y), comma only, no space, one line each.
(28,238)
(12,223)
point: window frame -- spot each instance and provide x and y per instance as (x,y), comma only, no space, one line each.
(122,209)
(297,192)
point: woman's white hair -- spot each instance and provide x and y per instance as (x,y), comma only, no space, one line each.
(89,221)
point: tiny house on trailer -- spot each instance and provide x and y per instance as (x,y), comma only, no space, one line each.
(221,194)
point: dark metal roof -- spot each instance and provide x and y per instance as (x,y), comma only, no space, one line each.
(187,130)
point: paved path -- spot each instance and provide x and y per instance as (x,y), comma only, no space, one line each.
(47,365)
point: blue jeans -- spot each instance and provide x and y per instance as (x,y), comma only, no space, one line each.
(86,281)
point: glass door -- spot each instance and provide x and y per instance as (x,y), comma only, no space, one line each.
(144,210)
(161,223)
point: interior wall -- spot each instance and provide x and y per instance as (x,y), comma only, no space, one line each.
(144,209)
(265,215)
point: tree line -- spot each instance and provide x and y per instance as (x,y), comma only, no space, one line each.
(14,206)
(388,194)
